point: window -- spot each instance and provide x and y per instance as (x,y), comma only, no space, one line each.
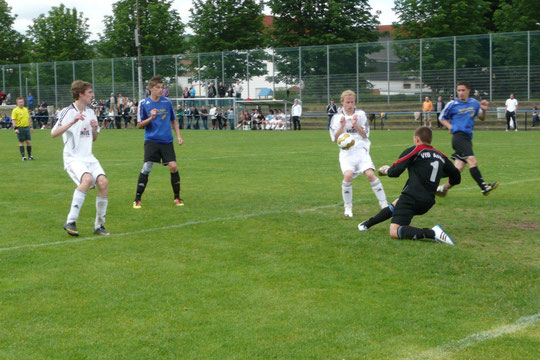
(406,86)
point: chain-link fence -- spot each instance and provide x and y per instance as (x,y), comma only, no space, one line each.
(385,72)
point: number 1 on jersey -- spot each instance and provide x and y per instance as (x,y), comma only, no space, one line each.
(435,166)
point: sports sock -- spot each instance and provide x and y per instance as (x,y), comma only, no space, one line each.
(378,190)
(477,176)
(175,182)
(141,185)
(101,210)
(21,150)
(346,191)
(76,204)
(29,150)
(383,215)
(414,233)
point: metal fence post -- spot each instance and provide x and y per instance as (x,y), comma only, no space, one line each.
(300,70)
(112,74)
(20,81)
(247,72)
(273,72)
(528,65)
(199,71)
(37,79)
(455,82)
(490,67)
(388,71)
(223,68)
(133,77)
(421,81)
(357,75)
(176,78)
(56,83)
(328,74)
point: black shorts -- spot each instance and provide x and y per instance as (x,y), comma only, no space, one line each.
(159,153)
(462,145)
(407,207)
(24,134)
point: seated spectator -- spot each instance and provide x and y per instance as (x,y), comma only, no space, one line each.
(6,121)
(256,120)
(269,121)
(245,120)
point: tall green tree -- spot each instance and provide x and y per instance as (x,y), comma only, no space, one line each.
(517,15)
(161,30)
(312,24)
(12,44)
(228,26)
(421,19)
(62,34)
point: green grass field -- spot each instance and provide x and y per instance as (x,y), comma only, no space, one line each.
(261,263)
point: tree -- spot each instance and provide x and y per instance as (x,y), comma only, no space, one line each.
(60,35)
(437,19)
(12,44)
(161,29)
(312,24)
(517,15)
(228,26)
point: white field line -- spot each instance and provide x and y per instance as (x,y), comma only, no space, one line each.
(229,218)
(442,351)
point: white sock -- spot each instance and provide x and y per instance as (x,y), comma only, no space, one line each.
(76,204)
(378,190)
(101,211)
(346,191)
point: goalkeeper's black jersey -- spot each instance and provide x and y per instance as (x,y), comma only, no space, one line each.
(426,167)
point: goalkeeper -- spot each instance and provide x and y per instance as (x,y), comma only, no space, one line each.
(426,166)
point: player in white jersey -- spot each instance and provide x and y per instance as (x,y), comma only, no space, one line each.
(78,126)
(355,160)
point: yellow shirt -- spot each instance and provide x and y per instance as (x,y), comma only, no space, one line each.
(21,117)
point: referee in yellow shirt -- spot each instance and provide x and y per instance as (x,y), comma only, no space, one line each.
(21,124)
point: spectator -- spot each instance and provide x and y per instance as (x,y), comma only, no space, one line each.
(188,116)
(180,116)
(427,108)
(535,117)
(118,119)
(120,101)
(219,118)
(204,117)
(221,90)
(8,98)
(270,121)
(238,89)
(331,110)
(192,92)
(439,108)
(296,112)
(165,91)
(6,122)
(211,90)
(213,116)
(230,91)
(511,106)
(196,117)
(30,101)
(127,116)
(230,116)
(112,102)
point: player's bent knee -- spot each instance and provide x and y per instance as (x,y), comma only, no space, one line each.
(147,167)
(102,182)
(86,179)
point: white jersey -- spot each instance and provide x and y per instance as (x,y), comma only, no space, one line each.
(78,138)
(511,105)
(362,121)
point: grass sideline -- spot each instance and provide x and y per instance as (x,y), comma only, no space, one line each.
(261,263)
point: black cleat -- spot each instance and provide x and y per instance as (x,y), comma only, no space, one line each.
(24,158)
(102,231)
(489,188)
(71,229)
(30,157)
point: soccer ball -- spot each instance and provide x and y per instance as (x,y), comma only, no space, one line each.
(345,141)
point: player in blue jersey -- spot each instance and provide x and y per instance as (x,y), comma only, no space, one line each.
(156,115)
(458,116)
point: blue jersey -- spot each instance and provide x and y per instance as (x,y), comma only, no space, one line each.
(461,115)
(159,129)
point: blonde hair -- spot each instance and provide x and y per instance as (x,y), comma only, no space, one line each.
(347,93)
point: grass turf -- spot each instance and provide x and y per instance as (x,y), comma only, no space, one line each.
(261,263)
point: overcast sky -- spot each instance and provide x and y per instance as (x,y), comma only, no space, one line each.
(94,10)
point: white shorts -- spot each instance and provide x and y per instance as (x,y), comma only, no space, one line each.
(356,159)
(76,169)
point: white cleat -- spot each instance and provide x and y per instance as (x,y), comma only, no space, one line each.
(348,211)
(362,227)
(441,236)
(441,191)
